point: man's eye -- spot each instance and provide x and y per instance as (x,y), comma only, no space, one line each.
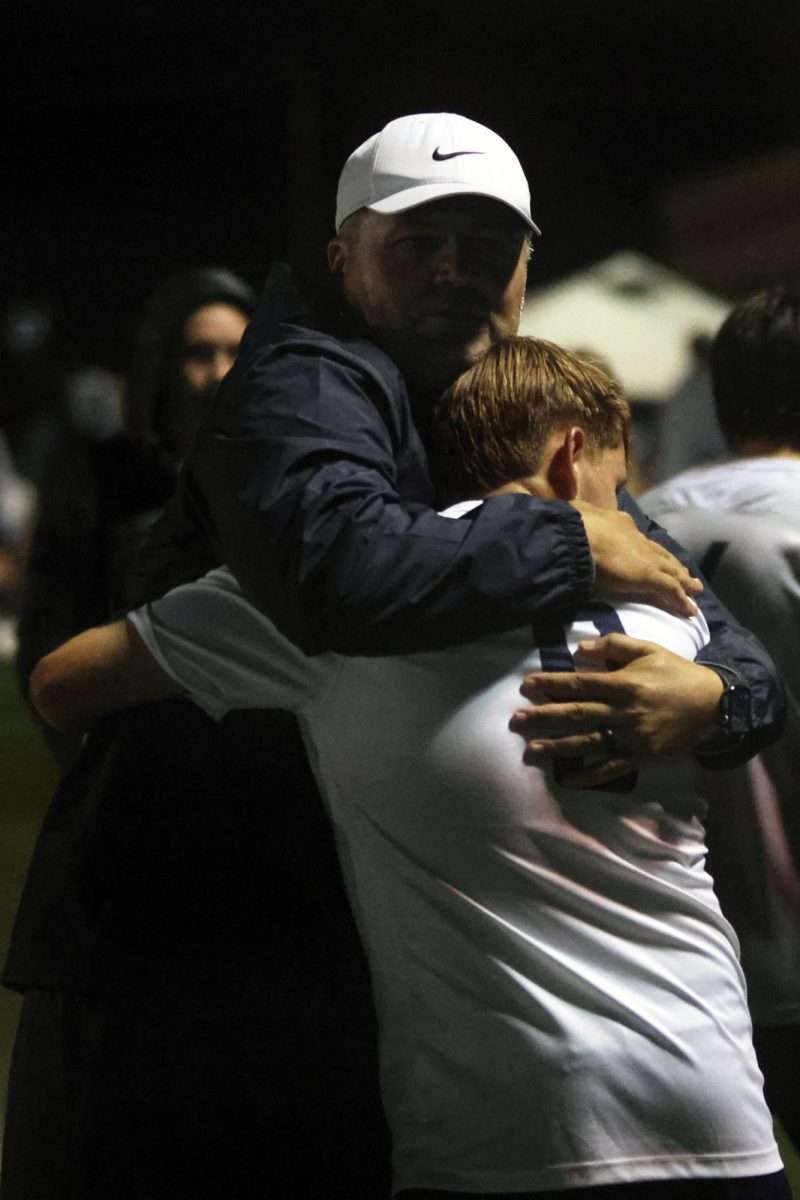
(418,244)
(488,245)
(498,243)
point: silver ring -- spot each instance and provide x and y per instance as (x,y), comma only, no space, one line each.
(608,740)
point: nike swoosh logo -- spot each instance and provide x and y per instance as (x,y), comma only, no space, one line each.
(454,154)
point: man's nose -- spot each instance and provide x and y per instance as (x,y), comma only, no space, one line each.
(450,262)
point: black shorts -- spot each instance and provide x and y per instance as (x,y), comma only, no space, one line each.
(751,1187)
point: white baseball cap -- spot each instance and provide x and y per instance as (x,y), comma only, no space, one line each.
(428,156)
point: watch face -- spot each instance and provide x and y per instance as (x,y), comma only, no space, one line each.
(735,707)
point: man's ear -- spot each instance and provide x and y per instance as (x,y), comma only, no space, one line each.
(563,471)
(337,253)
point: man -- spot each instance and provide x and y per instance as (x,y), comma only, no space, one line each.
(559,999)
(312,481)
(741,519)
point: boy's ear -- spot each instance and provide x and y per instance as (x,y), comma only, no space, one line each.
(563,471)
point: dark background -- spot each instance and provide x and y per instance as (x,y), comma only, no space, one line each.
(142,137)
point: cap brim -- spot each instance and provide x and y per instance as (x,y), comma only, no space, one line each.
(425,192)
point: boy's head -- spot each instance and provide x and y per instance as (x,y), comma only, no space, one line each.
(532,417)
(755,372)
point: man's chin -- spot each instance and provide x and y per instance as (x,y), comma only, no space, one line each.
(453,326)
(439,361)
(467,335)
(435,354)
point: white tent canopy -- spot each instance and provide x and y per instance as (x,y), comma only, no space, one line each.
(637,315)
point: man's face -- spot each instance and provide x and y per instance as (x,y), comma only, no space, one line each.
(437,284)
(600,475)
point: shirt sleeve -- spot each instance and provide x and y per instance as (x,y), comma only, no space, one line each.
(225,654)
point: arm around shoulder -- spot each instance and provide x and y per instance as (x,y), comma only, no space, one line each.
(314,485)
(97,673)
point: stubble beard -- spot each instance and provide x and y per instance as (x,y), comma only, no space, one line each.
(434,363)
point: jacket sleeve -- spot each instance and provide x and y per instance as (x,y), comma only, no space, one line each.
(312,482)
(737,651)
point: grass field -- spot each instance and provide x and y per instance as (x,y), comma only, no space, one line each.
(791,1162)
(28,777)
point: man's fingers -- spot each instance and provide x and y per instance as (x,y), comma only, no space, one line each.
(602,772)
(674,566)
(607,760)
(584,745)
(562,720)
(665,578)
(657,705)
(617,649)
(674,592)
(629,564)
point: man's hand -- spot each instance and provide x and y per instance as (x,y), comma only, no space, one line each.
(656,706)
(629,564)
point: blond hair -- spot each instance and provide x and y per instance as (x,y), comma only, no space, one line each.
(491,426)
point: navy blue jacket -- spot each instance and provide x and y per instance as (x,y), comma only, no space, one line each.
(312,480)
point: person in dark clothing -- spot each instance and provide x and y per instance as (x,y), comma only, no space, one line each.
(174,947)
(264,997)
(99,496)
(197,1016)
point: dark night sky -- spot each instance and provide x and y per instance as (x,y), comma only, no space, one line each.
(144,137)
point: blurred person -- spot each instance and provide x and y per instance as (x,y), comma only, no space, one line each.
(186,344)
(105,485)
(17,499)
(33,367)
(145,906)
(94,402)
(741,520)
(524,940)
(687,432)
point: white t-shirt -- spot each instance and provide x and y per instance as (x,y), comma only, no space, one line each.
(741,521)
(559,997)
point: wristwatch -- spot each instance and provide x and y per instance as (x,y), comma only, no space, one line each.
(734,710)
